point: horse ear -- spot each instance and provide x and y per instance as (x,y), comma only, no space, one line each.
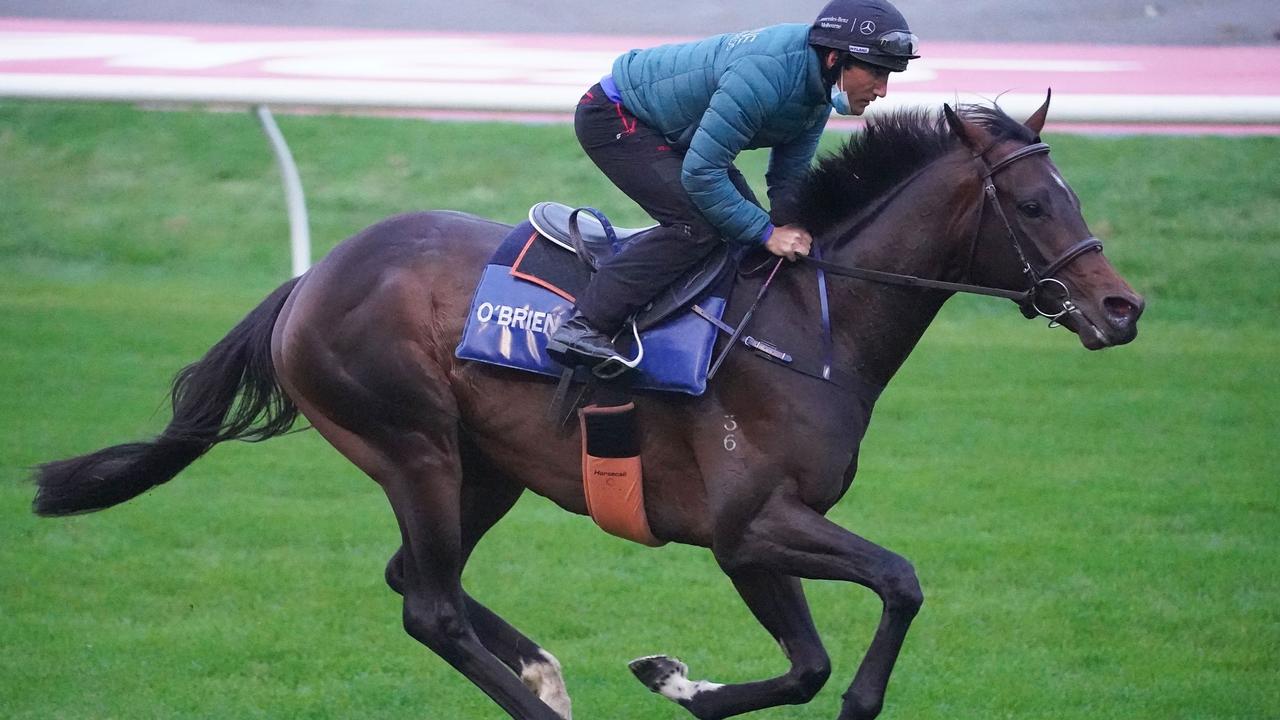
(1036,121)
(975,137)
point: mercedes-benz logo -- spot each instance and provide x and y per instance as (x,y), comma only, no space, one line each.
(867,27)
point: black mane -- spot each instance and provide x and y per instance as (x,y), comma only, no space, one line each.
(888,151)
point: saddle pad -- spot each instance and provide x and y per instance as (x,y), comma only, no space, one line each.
(512,318)
(543,262)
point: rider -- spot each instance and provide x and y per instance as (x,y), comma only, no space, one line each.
(666,125)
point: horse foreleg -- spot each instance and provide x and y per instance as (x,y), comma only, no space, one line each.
(778,602)
(788,537)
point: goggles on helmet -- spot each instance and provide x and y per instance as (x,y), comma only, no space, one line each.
(900,44)
(891,50)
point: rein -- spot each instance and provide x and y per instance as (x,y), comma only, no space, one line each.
(1040,281)
(888,278)
(1029,300)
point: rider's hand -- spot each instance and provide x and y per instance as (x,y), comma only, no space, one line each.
(788,241)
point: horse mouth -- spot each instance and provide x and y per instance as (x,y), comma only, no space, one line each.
(1121,326)
(1091,336)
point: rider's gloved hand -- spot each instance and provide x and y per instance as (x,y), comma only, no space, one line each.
(788,241)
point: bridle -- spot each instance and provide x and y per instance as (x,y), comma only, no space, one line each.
(1030,301)
(1040,282)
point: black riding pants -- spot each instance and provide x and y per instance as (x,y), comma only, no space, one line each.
(641,162)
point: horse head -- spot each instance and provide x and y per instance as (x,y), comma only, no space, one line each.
(1031,234)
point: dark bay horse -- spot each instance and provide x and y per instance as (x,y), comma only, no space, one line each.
(362,346)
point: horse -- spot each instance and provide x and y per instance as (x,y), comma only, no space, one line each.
(362,346)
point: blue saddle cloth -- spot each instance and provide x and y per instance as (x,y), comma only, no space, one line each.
(527,290)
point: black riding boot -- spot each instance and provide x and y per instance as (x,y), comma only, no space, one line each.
(576,342)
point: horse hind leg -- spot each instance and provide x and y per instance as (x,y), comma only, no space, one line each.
(487,497)
(538,669)
(424,493)
(356,353)
(422,479)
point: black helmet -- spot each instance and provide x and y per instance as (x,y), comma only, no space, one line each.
(873,30)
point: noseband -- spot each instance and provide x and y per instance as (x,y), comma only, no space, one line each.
(1042,282)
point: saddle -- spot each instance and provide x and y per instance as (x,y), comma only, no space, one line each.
(598,239)
(533,278)
(588,234)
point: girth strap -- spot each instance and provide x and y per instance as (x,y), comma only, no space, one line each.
(612,475)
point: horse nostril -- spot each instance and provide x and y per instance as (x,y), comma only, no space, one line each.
(1121,312)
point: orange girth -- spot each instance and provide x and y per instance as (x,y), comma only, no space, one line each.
(611,473)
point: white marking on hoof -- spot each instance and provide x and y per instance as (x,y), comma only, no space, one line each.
(546,679)
(669,677)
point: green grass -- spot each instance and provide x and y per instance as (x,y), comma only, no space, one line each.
(1097,534)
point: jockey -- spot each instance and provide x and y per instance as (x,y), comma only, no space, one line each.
(667,123)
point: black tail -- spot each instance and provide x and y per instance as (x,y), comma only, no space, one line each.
(205,413)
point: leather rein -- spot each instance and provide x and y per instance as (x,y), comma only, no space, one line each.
(1040,281)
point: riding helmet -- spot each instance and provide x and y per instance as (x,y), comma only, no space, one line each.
(872,30)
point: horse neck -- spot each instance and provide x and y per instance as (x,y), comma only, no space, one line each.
(922,231)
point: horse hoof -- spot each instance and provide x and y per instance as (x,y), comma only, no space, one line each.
(657,671)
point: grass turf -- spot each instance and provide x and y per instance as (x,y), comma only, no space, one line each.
(1096,533)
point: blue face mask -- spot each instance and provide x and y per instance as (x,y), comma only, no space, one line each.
(839,98)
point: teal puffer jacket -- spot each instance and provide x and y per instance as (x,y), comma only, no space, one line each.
(729,93)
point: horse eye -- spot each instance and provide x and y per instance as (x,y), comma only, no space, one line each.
(1031,209)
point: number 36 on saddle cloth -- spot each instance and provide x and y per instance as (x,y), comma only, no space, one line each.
(528,288)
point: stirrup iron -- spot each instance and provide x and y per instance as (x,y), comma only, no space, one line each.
(611,368)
